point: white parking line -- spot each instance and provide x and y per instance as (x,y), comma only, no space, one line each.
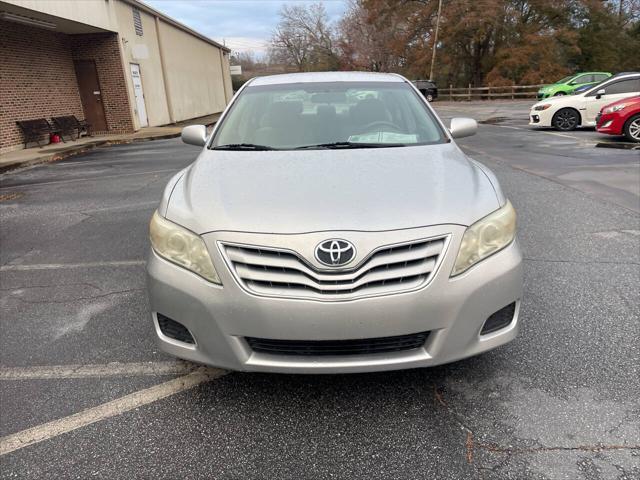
(55,266)
(114,369)
(30,436)
(509,126)
(121,207)
(88,179)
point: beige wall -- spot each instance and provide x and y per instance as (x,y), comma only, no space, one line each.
(96,13)
(194,74)
(144,51)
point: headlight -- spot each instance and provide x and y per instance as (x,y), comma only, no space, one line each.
(486,237)
(541,107)
(182,247)
(614,108)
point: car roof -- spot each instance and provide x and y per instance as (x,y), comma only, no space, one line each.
(312,77)
(624,74)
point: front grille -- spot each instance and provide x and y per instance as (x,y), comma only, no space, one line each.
(175,330)
(390,269)
(364,346)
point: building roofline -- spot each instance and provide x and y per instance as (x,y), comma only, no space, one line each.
(143,6)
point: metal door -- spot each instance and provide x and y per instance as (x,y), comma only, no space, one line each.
(90,94)
(141,110)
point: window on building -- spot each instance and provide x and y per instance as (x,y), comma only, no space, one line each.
(137,21)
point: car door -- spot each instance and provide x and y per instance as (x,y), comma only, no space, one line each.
(616,90)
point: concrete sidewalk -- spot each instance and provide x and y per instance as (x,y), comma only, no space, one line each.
(58,151)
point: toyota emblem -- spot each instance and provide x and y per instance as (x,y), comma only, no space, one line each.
(335,252)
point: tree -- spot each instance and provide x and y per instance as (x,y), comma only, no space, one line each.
(365,42)
(608,35)
(496,42)
(304,38)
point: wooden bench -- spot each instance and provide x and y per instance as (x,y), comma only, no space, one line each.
(34,130)
(69,124)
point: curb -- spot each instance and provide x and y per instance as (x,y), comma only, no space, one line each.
(76,150)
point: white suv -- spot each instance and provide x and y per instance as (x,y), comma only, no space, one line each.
(571,111)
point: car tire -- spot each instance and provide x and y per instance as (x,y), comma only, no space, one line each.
(566,119)
(429,98)
(559,94)
(632,129)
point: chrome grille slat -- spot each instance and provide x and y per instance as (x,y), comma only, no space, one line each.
(252,274)
(270,258)
(374,288)
(281,273)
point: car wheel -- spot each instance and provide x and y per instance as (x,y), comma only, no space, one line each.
(429,98)
(632,129)
(566,119)
(559,94)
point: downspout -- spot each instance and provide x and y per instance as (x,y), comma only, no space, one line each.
(165,82)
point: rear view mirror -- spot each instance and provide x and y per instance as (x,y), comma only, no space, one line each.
(600,92)
(194,135)
(463,127)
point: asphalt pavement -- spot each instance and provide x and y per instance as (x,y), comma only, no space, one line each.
(84,392)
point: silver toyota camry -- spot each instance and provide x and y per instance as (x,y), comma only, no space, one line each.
(331,224)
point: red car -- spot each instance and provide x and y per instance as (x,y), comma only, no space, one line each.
(621,118)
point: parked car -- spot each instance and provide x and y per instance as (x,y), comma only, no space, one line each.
(572,111)
(621,118)
(427,88)
(582,88)
(306,240)
(568,85)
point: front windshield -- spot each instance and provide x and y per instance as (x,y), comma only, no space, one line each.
(321,115)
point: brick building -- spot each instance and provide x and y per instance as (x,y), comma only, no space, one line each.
(119,64)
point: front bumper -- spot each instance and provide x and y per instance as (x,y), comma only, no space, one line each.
(220,318)
(541,118)
(610,123)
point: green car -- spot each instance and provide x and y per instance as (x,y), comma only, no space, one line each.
(567,85)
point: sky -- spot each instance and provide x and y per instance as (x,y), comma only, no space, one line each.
(242,25)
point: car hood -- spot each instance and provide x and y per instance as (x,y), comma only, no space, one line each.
(558,101)
(331,190)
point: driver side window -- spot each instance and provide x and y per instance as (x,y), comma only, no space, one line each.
(625,86)
(582,79)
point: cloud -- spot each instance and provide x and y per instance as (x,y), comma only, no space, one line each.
(245,23)
(245,44)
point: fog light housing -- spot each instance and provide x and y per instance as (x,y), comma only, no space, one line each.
(175,330)
(499,319)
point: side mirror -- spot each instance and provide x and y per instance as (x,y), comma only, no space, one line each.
(463,127)
(600,93)
(194,135)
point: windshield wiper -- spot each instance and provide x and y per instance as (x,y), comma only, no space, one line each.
(242,146)
(351,145)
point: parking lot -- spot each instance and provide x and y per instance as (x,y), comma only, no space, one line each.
(84,392)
